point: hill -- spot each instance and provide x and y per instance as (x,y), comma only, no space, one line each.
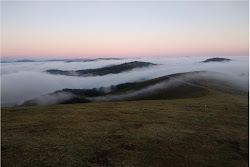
(115,69)
(209,130)
(175,86)
(217,59)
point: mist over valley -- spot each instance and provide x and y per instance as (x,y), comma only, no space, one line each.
(22,81)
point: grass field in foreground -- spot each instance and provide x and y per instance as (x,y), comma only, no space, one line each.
(160,133)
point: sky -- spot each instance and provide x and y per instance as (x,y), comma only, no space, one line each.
(84,29)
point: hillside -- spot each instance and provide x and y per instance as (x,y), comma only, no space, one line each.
(114,69)
(175,86)
(211,130)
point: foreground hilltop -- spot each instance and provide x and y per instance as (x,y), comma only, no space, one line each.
(208,130)
(114,69)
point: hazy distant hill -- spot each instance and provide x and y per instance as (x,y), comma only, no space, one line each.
(59,60)
(115,69)
(86,60)
(216,59)
(25,61)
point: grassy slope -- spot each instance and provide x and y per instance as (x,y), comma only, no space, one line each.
(179,132)
(183,87)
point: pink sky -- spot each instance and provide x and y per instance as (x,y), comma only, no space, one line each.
(49,30)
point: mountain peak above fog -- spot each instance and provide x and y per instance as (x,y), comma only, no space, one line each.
(216,59)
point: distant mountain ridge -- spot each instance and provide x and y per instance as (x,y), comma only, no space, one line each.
(56,60)
(115,69)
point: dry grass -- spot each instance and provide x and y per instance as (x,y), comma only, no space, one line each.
(158,133)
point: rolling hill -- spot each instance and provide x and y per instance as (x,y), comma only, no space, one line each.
(175,86)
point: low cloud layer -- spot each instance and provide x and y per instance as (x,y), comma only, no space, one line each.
(23,81)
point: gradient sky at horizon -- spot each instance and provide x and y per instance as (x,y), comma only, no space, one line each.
(84,29)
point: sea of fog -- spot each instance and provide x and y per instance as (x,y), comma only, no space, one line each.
(22,81)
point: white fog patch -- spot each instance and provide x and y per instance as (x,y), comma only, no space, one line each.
(23,81)
(8,68)
(50,99)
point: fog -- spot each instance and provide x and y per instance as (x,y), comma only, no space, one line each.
(23,81)
(49,99)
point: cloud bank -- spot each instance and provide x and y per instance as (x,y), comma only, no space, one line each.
(23,81)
